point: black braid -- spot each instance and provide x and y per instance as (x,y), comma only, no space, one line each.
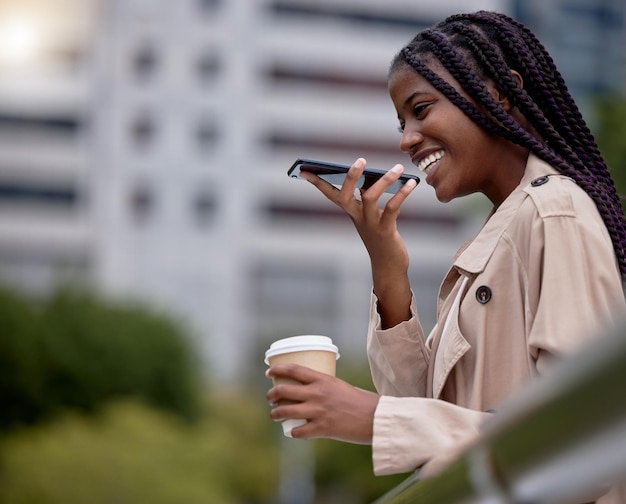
(475,86)
(484,44)
(486,54)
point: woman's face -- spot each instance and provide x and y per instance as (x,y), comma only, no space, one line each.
(457,156)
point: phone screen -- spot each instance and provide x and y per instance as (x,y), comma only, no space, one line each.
(335,174)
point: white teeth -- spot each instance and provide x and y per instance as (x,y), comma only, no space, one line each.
(425,163)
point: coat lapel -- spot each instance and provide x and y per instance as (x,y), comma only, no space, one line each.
(448,344)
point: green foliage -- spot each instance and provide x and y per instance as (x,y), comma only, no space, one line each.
(343,471)
(77,351)
(610,133)
(95,400)
(21,380)
(99,350)
(344,474)
(131,453)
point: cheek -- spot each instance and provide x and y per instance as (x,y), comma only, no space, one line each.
(454,183)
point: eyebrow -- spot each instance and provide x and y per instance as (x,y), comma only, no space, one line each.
(413,95)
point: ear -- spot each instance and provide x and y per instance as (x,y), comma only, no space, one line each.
(517,76)
(500,96)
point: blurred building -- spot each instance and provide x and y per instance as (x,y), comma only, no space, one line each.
(45,104)
(201,108)
(145,145)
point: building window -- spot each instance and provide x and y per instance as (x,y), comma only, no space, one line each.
(145,62)
(206,134)
(26,193)
(143,130)
(279,73)
(142,203)
(208,6)
(339,12)
(207,67)
(39,126)
(204,205)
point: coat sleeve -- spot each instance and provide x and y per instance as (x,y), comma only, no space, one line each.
(417,432)
(398,356)
(409,427)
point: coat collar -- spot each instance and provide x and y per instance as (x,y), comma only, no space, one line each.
(474,256)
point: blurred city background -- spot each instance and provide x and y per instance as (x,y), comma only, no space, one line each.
(144,146)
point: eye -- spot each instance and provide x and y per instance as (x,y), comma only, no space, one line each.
(419,109)
(401,128)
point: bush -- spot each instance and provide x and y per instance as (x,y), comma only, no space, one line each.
(131,453)
(21,379)
(76,351)
(95,351)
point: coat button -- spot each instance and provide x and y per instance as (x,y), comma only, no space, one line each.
(483,294)
(539,181)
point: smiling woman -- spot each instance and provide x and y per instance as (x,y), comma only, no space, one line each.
(482,109)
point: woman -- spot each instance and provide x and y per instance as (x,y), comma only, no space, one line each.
(482,108)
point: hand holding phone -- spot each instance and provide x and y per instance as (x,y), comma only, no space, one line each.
(335,174)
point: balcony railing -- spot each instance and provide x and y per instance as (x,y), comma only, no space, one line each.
(561,437)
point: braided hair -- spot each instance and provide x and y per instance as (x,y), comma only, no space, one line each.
(472,47)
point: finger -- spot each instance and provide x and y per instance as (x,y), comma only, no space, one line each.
(329,190)
(295,372)
(351,181)
(285,412)
(295,411)
(387,180)
(392,208)
(398,199)
(370,198)
(282,392)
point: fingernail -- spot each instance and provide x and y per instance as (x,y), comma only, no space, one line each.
(398,168)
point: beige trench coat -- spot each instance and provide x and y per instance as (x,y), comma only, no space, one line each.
(534,284)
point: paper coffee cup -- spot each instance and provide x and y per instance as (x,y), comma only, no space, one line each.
(313,351)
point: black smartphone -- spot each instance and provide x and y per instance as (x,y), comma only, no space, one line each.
(336,174)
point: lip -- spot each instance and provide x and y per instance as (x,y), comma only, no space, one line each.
(431,172)
(418,157)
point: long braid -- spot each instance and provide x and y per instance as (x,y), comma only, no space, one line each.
(495,44)
(463,103)
(486,55)
(475,86)
(580,134)
(588,166)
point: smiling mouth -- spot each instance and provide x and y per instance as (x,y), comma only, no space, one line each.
(425,164)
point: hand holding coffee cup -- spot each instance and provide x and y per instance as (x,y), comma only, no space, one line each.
(312,351)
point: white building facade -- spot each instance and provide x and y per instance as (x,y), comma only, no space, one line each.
(187,116)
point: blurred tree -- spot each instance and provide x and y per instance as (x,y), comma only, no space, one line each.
(21,379)
(131,453)
(610,132)
(97,350)
(77,351)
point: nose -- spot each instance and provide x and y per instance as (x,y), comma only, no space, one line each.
(411,137)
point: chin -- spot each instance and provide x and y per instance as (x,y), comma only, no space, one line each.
(444,198)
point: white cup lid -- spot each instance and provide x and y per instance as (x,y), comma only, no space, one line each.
(301,344)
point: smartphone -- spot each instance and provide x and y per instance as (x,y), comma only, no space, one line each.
(336,174)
